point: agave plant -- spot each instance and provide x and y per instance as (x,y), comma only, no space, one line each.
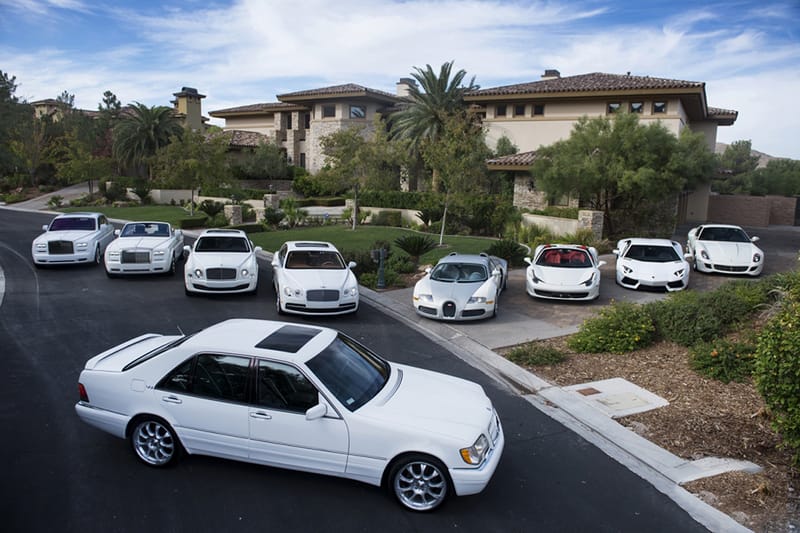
(415,246)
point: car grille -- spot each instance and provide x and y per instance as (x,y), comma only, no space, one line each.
(322,295)
(449,309)
(675,284)
(556,294)
(427,310)
(221,273)
(726,268)
(135,257)
(60,247)
(472,312)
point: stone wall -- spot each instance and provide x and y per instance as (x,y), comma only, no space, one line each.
(587,219)
(751,211)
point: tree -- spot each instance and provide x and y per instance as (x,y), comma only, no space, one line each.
(268,161)
(191,161)
(623,168)
(436,98)
(109,111)
(140,133)
(736,166)
(458,156)
(779,176)
(13,115)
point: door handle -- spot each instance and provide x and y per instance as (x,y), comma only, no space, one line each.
(171,399)
(262,415)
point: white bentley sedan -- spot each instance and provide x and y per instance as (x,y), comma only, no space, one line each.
(724,249)
(295,396)
(312,278)
(144,248)
(655,263)
(73,238)
(221,261)
(563,272)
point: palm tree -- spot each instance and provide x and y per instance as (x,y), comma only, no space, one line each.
(436,98)
(141,131)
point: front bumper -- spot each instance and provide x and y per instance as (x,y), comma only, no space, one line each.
(632,283)
(750,269)
(451,311)
(468,481)
(549,291)
(232,286)
(46,258)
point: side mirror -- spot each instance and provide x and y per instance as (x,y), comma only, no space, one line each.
(428,270)
(497,272)
(44,228)
(528,260)
(754,239)
(688,256)
(187,250)
(178,233)
(257,249)
(351,265)
(601,263)
(117,232)
(615,251)
(317,412)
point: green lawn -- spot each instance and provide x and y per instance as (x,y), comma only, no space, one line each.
(161,213)
(343,237)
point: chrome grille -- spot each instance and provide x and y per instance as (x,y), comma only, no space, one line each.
(221,273)
(449,309)
(60,247)
(322,295)
(130,256)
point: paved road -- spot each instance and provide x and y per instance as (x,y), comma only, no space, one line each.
(65,476)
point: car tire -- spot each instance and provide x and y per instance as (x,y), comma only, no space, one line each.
(496,305)
(110,274)
(278,308)
(97,257)
(419,482)
(188,293)
(173,267)
(154,442)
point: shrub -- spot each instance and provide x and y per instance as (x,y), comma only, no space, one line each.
(249,228)
(415,246)
(535,354)
(777,372)
(211,207)
(723,360)
(401,263)
(684,318)
(192,222)
(619,328)
(55,201)
(387,218)
(509,250)
(370,279)
(272,217)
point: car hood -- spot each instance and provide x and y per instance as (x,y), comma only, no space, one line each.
(149,243)
(460,292)
(562,276)
(71,235)
(218,259)
(317,279)
(730,252)
(654,270)
(433,403)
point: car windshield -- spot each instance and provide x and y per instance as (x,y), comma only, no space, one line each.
(350,371)
(652,254)
(315,259)
(222,244)
(73,223)
(459,273)
(723,234)
(145,230)
(564,258)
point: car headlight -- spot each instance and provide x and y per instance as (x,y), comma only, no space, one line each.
(535,279)
(81,245)
(113,255)
(198,273)
(589,281)
(704,255)
(756,258)
(351,291)
(475,454)
(425,297)
(292,292)
(158,253)
(245,272)
(41,246)
(626,269)
(679,273)
(477,300)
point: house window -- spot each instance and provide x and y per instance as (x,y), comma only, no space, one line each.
(289,121)
(659,107)
(328,111)
(637,107)
(613,108)
(307,120)
(519,110)
(358,111)
(538,109)
(500,110)
(302,160)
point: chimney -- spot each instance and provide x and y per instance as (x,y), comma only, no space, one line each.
(551,74)
(188,103)
(404,85)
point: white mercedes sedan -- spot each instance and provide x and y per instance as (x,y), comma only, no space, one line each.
(563,272)
(73,238)
(221,261)
(144,248)
(724,249)
(312,278)
(655,263)
(295,396)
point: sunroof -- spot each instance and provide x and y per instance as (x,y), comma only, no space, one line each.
(288,338)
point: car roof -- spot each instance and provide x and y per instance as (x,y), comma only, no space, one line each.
(79,214)
(146,222)
(455,257)
(265,338)
(223,232)
(310,245)
(719,226)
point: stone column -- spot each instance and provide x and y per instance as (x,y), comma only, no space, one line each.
(234,214)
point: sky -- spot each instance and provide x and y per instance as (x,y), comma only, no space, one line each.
(240,52)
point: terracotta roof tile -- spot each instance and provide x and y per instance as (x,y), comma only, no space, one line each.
(253,108)
(521,159)
(596,81)
(347,88)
